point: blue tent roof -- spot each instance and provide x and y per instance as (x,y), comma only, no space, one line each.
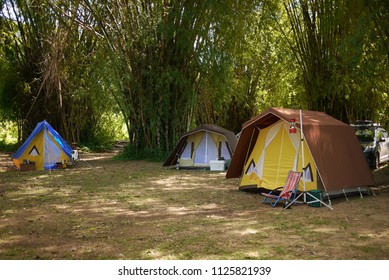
(44,125)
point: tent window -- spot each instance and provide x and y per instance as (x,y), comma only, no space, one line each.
(188,151)
(219,149)
(34,151)
(251,167)
(307,173)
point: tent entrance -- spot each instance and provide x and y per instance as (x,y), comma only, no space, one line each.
(206,150)
(275,153)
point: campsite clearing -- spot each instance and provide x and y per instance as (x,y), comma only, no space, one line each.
(139,210)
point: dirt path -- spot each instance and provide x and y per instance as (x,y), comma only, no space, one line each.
(5,162)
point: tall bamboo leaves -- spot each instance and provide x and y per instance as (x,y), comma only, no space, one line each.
(53,55)
(166,55)
(169,65)
(336,56)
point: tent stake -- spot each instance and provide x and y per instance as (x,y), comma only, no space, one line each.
(360,193)
(344,192)
(329,200)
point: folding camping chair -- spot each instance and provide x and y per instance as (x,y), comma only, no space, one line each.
(289,189)
(76,158)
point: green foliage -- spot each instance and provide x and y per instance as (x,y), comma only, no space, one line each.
(7,147)
(8,136)
(108,129)
(149,154)
(335,47)
(167,66)
(10,81)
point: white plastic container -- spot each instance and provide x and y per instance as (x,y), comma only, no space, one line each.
(217,165)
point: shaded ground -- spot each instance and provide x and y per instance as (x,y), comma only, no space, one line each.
(106,209)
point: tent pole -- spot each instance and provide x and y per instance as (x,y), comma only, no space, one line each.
(180,151)
(206,148)
(302,154)
(305,193)
(329,200)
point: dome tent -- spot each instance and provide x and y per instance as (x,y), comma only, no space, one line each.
(199,146)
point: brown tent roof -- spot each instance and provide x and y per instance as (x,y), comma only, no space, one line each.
(229,135)
(333,144)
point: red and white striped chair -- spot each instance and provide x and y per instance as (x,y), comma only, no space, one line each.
(288,191)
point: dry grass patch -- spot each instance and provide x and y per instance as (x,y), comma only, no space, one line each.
(138,210)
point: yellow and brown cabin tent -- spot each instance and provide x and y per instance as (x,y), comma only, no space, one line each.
(45,147)
(198,147)
(266,151)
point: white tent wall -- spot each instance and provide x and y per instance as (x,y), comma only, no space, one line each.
(212,149)
(225,153)
(52,152)
(187,153)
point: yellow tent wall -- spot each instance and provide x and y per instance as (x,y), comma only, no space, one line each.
(275,153)
(29,154)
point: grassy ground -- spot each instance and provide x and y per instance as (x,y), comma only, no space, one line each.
(138,210)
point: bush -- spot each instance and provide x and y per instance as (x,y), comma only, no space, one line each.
(131,153)
(96,146)
(8,147)
(8,136)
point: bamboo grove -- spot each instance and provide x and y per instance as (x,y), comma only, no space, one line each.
(163,67)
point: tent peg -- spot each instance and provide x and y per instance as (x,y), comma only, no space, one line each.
(344,192)
(360,193)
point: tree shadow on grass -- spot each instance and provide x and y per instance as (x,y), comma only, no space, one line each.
(138,210)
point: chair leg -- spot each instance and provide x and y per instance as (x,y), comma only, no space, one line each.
(275,202)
